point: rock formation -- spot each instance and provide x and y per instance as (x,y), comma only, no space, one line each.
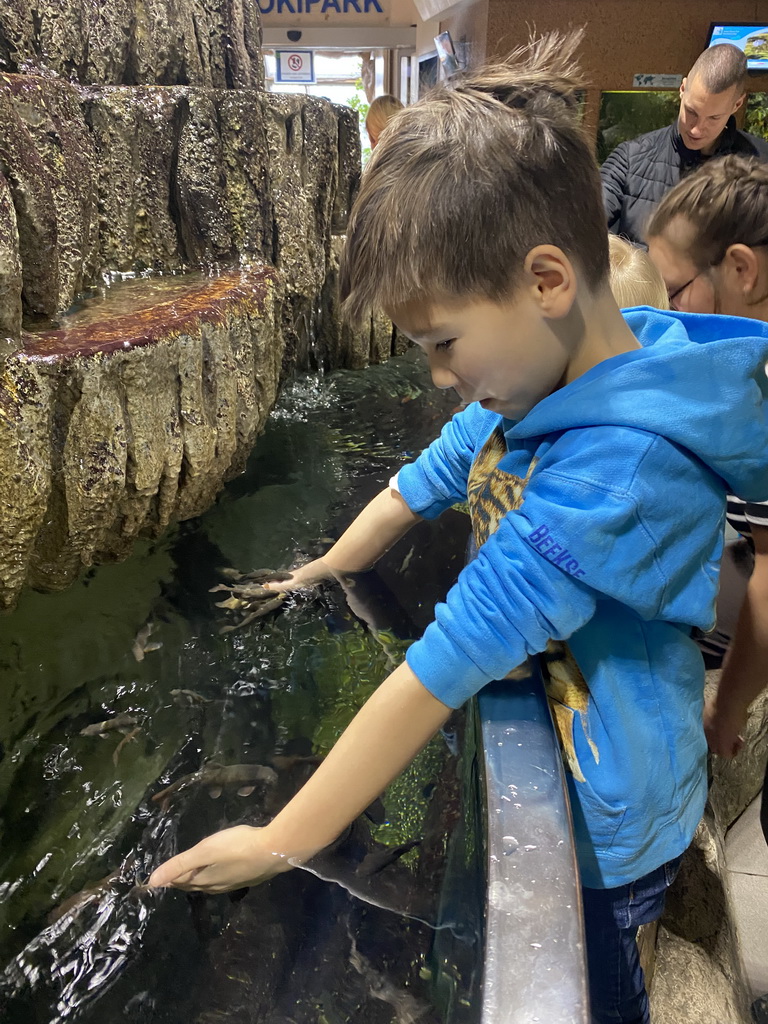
(113,429)
(214,43)
(698,976)
(136,138)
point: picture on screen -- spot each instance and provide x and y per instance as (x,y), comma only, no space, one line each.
(752,39)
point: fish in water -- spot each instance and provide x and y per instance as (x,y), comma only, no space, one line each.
(214,777)
(286,762)
(377,860)
(142,644)
(123,723)
(128,738)
(121,880)
(187,698)
(90,894)
(405,1007)
(248,599)
(256,575)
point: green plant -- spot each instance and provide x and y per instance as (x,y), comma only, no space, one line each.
(623,115)
(756,118)
(360,103)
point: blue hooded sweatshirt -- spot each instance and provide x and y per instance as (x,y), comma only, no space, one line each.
(600,519)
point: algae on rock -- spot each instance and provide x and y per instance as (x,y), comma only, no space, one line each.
(213,43)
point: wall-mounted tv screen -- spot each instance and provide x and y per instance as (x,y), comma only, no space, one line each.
(752,39)
(447,54)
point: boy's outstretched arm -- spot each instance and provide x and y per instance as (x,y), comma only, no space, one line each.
(383,521)
(384,737)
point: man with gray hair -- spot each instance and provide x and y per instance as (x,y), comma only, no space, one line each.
(638,173)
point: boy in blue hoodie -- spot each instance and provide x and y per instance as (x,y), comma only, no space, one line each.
(594,452)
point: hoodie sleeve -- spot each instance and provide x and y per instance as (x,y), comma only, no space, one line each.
(438,478)
(627,516)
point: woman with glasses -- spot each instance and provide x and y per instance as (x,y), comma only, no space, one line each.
(709,239)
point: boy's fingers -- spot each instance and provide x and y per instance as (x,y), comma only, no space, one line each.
(179,870)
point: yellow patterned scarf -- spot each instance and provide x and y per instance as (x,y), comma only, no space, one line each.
(491,494)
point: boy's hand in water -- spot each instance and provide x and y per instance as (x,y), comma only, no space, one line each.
(309,575)
(227,860)
(252,595)
(394,724)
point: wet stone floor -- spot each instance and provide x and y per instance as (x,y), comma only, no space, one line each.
(203,730)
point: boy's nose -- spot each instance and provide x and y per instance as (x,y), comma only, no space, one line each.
(442,377)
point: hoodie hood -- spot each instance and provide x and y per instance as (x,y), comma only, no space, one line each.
(698,380)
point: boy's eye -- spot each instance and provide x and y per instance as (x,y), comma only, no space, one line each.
(443,346)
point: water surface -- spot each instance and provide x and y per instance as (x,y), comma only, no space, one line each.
(80,939)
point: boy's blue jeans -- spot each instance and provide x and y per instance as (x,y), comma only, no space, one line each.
(611,919)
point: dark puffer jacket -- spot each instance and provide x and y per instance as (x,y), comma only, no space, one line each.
(638,172)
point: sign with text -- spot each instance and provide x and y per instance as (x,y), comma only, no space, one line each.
(322,8)
(657,81)
(295,66)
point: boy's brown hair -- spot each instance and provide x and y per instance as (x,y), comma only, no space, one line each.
(473,177)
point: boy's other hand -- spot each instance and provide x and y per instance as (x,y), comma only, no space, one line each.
(724,728)
(227,860)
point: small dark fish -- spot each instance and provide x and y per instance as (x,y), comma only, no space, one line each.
(120,723)
(263,609)
(266,575)
(256,575)
(248,600)
(229,574)
(377,860)
(142,644)
(376,812)
(81,899)
(284,762)
(215,777)
(405,1007)
(96,891)
(185,698)
(128,738)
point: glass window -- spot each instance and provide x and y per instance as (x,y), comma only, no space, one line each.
(623,115)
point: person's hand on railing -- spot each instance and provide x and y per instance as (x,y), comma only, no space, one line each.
(724,727)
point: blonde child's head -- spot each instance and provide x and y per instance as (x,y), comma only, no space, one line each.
(380,113)
(635,279)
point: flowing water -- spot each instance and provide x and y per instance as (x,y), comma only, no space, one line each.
(369,936)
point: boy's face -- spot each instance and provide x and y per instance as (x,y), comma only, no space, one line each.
(502,354)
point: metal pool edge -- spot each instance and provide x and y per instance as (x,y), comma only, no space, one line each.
(534,964)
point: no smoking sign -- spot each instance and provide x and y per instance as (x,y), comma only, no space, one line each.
(295,66)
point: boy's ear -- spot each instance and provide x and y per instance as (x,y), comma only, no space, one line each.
(551,278)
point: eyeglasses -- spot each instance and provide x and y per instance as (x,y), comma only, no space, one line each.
(681,289)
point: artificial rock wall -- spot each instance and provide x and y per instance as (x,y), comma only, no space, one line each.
(136,137)
(163,178)
(213,43)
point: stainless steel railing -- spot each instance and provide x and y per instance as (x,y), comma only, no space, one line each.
(535,969)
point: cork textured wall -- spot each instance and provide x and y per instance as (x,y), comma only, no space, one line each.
(624,37)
